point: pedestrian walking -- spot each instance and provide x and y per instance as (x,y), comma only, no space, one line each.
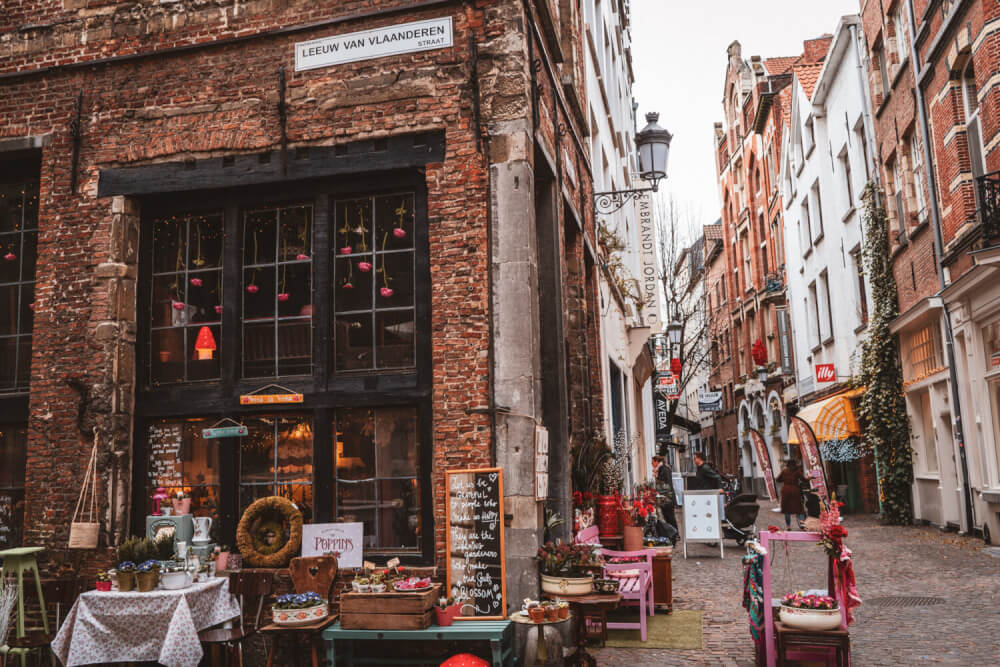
(706,477)
(791,479)
(665,490)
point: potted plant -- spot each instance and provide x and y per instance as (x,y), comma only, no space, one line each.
(299,609)
(220,554)
(181,501)
(563,608)
(364,585)
(378,582)
(810,612)
(103,582)
(147,574)
(125,572)
(537,613)
(566,568)
(164,547)
(551,611)
(635,510)
(445,611)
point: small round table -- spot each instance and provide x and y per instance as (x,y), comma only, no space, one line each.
(582,606)
(541,641)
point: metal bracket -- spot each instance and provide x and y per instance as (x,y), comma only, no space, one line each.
(606,203)
(76,132)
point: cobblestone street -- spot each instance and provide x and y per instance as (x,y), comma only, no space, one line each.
(960,626)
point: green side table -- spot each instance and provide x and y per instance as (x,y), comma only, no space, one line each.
(21,560)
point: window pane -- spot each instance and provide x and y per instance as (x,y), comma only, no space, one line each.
(258,349)
(356,502)
(353,339)
(354,226)
(13,455)
(179,458)
(394,222)
(168,244)
(295,290)
(169,293)
(395,344)
(8,363)
(8,309)
(23,361)
(11,207)
(295,446)
(203,351)
(204,296)
(276,459)
(395,280)
(295,347)
(353,286)
(257,451)
(205,247)
(355,455)
(398,514)
(10,257)
(167,355)
(259,237)
(29,253)
(27,308)
(396,442)
(295,236)
(258,293)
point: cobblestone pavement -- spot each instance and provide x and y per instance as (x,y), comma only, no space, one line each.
(963,628)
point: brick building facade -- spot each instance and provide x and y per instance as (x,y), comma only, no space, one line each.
(190,214)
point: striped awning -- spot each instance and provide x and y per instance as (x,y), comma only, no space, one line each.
(832,418)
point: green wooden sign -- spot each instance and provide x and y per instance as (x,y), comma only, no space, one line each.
(224,432)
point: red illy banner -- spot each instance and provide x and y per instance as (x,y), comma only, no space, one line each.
(812,464)
(764,458)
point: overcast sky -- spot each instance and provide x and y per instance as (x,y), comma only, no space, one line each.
(679,57)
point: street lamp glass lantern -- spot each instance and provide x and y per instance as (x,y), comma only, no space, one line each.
(762,374)
(674,330)
(653,143)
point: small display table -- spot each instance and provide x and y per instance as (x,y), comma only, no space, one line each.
(791,639)
(547,641)
(499,634)
(308,634)
(582,607)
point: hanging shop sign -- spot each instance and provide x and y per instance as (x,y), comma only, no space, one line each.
(541,463)
(764,459)
(649,265)
(257,397)
(812,463)
(476,564)
(709,401)
(661,410)
(344,539)
(785,341)
(216,430)
(377,43)
(825,373)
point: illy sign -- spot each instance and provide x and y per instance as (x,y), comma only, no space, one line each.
(825,373)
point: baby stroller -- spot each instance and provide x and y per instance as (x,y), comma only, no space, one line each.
(740,521)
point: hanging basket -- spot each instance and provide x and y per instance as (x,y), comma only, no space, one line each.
(84,529)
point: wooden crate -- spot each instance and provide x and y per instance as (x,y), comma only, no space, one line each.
(389,610)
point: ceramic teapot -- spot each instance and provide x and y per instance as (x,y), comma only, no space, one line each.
(202,526)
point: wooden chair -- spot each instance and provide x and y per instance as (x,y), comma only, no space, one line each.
(635,585)
(248,587)
(310,574)
(59,596)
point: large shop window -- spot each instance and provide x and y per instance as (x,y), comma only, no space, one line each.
(13,455)
(18,251)
(180,459)
(276,460)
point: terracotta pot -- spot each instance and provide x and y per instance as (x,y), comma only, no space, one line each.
(607,515)
(443,617)
(181,506)
(551,613)
(126,581)
(537,614)
(564,610)
(633,538)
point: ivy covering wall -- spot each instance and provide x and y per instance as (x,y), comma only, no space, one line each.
(883,407)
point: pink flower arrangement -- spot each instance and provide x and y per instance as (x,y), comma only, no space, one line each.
(252,289)
(364,267)
(196,282)
(800,600)
(218,310)
(386,292)
(348,285)
(399,233)
(283,296)
(302,257)
(178,305)
(346,250)
(10,257)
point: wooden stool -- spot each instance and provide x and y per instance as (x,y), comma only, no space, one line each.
(21,560)
(793,638)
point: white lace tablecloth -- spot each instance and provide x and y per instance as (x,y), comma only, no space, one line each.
(160,626)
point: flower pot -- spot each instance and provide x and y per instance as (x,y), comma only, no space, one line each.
(567,585)
(103,586)
(607,515)
(181,506)
(220,561)
(126,581)
(443,617)
(146,581)
(302,616)
(633,538)
(810,619)
(563,609)
(537,614)
(551,613)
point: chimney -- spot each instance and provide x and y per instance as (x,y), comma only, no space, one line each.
(814,50)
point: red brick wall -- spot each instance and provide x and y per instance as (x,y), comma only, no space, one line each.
(220,99)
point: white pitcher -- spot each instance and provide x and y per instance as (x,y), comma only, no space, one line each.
(202,526)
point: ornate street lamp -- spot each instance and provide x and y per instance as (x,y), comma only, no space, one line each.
(653,144)
(674,331)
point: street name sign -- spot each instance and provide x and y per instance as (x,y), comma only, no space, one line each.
(376,43)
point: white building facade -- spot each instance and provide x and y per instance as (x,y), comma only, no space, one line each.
(628,280)
(825,166)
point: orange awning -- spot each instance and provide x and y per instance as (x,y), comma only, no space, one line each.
(832,418)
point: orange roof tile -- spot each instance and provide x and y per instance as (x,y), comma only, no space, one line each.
(780,65)
(713,232)
(808,75)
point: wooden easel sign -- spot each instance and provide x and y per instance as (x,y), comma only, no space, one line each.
(476,560)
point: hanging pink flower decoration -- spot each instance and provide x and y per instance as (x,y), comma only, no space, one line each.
(302,257)
(218,310)
(10,257)
(346,250)
(31,306)
(399,232)
(364,267)
(253,289)
(348,285)
(386,292)
(178,305)
(196,282)
(282,296)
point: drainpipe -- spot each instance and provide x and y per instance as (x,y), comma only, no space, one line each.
(873,172)
(938,245)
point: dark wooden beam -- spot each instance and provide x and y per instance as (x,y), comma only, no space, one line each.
(306,162)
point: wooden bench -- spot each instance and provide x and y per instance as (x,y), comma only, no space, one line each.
(499,634)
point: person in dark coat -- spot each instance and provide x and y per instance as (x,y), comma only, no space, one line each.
(791,479)
(665,489)
(705,475)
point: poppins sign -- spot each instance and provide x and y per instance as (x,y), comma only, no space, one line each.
(344,539)
(377,43)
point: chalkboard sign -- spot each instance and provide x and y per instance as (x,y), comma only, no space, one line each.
(477,569)
(165,441)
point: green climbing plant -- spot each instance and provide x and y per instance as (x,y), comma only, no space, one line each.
(883,407)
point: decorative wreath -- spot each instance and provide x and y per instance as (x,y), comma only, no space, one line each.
(270,532)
